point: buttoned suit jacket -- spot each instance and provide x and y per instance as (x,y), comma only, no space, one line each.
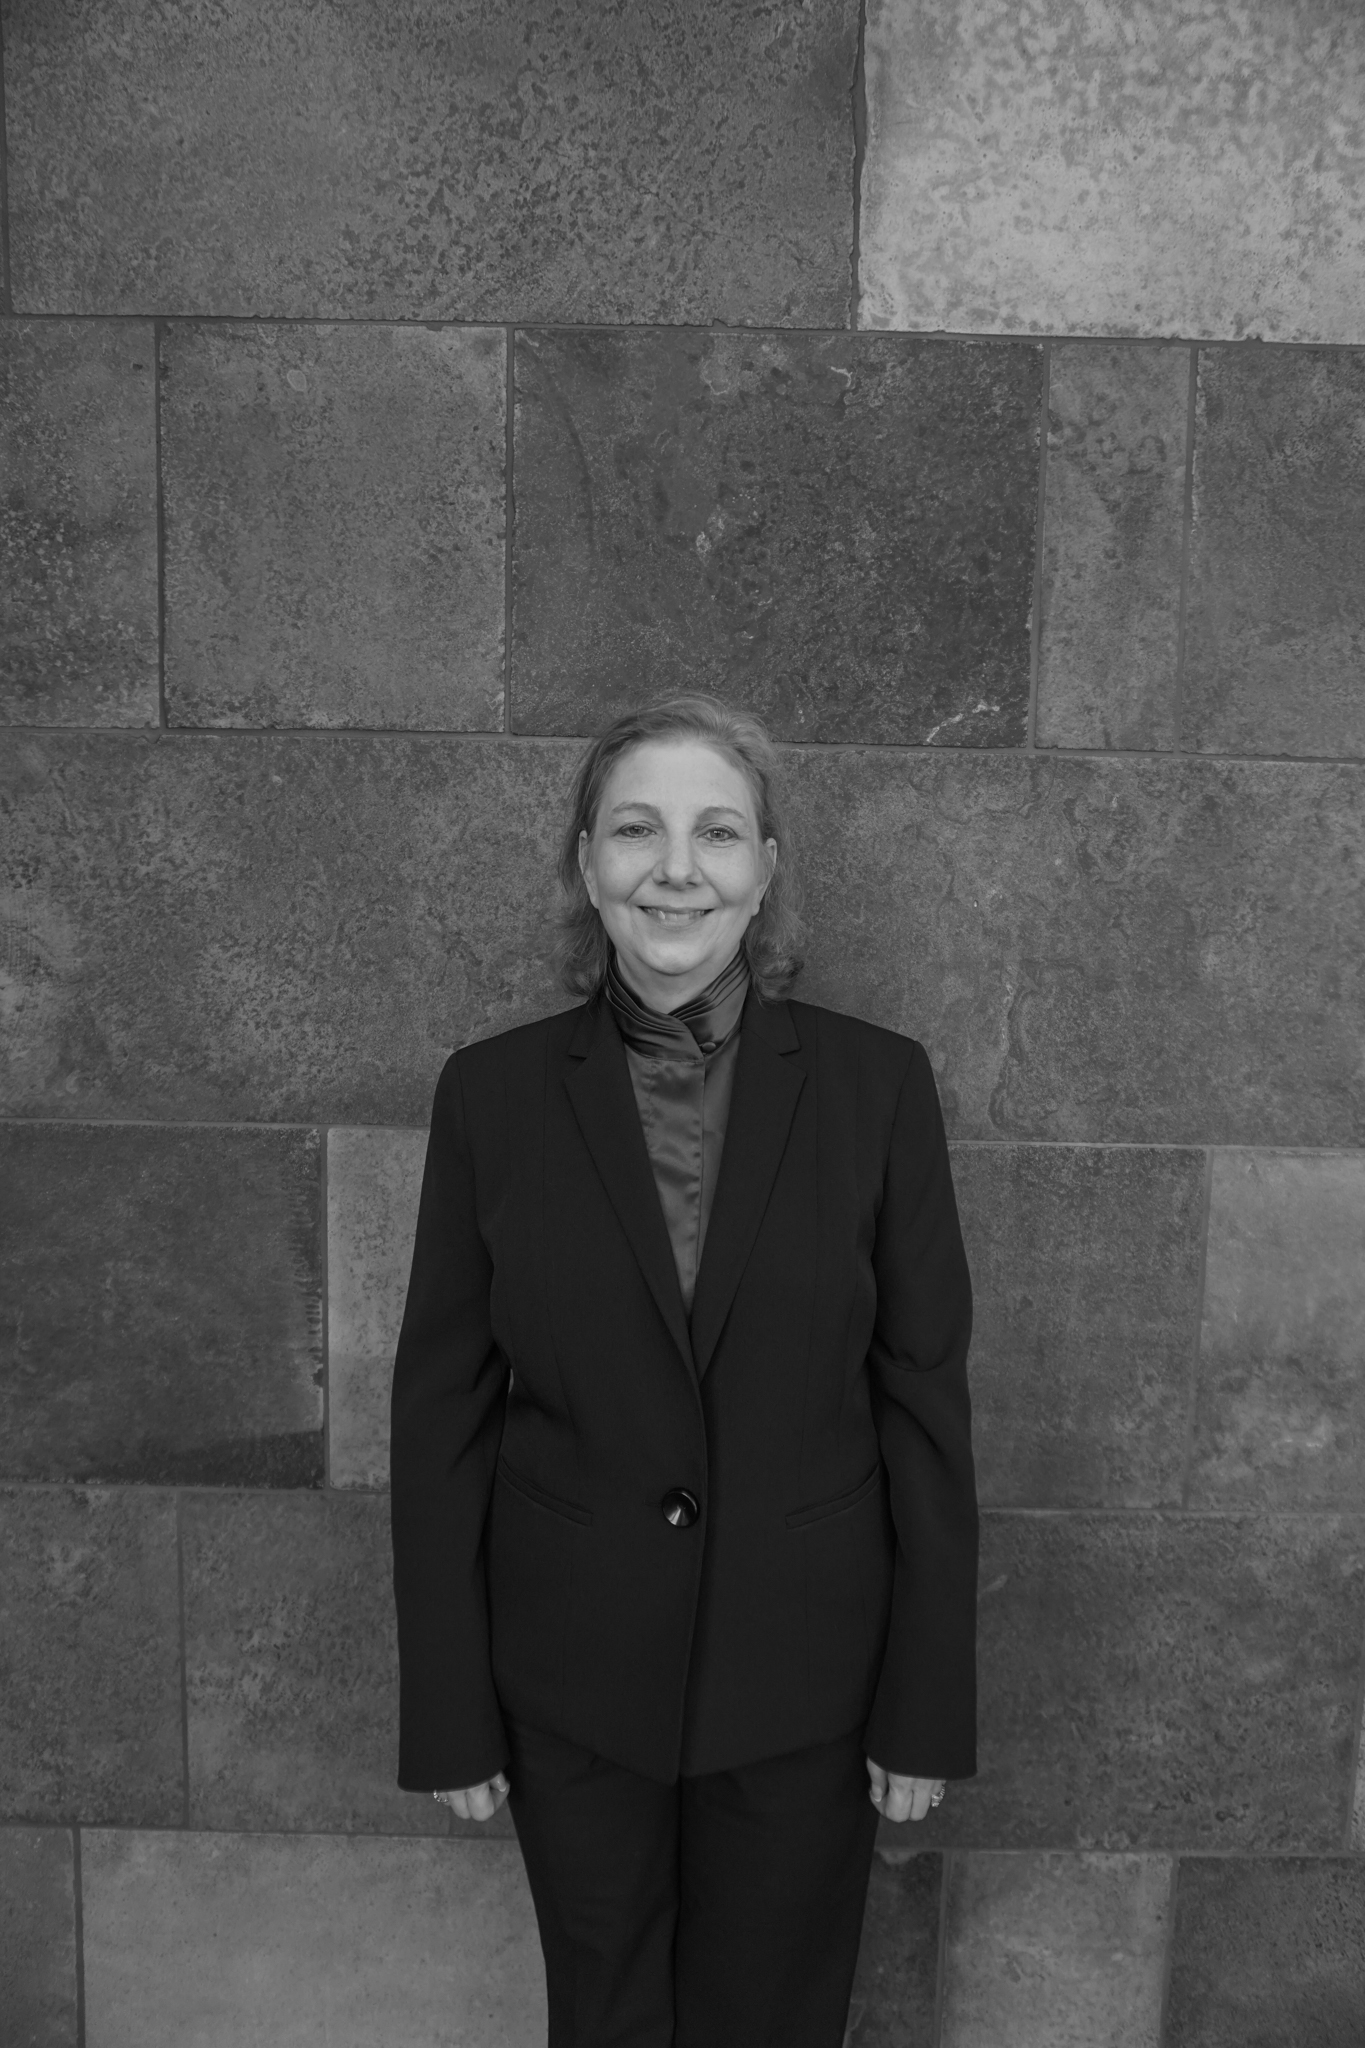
(549,1391)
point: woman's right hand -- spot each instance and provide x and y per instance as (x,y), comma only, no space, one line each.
(476,1802)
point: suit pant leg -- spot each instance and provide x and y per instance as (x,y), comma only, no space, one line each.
(600,1846)
(775,1859)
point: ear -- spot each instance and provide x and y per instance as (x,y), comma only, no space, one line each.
(770,848)
(585,869)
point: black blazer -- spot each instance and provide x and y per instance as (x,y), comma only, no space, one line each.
(548,1393)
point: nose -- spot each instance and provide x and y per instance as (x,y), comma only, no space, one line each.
(677,863)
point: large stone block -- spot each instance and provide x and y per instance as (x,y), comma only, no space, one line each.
(836,530)
(688,161)
(1085,1277)
(308,1942)
(37,1938)
(1164,1682)
(1141,950)
(1051,1951)
(1058,171)
(334,525)
(78,546)
(896,1986)
(1268,1951)
(1277,576)
(90,1724)
(300,929)
(1280,1420)
(239,926)
(1113,541)
(374,1179)
(132,1347)
(292,1665)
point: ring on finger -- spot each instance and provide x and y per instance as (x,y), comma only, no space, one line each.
(936,1796)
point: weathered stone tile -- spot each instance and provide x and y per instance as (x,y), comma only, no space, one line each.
(334,525)
(238,926)
(836,530)
(133,1349)
(296,929)
(374,1179)
(689,161)
(895,1987)
(78,568)
(1164,1682)
(1085,1278)
(1113,530)
(1277,577)
(308,1942)
(1050,1951)
(1268,1951)
(291,1665)
(1280,1419)
(1099,949)
(37,1938)
(89,1657)
(1057,171)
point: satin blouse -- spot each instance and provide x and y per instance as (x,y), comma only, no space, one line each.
(682,1069)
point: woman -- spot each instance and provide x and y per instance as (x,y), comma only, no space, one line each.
(683,1505)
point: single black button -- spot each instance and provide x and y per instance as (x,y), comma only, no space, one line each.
(680,1507)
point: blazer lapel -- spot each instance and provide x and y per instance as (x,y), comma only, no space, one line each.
(598,1084)
(765,1094)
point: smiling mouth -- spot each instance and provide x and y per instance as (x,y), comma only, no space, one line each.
(661,915)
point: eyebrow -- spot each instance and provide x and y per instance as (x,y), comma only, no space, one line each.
(707,810)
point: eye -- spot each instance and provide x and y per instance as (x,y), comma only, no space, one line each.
(635,830)
(724,833)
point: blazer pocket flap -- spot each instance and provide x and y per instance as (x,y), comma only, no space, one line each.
(841,1504)
(568,1510)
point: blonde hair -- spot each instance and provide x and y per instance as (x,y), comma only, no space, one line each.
(772,940)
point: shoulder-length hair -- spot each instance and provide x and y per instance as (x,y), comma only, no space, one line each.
(772,940)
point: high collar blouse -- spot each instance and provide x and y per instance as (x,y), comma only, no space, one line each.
(682,1070)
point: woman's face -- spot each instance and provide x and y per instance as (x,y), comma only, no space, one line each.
(675,866)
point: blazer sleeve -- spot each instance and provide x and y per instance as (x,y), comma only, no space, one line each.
(923,1721)
(449,1391)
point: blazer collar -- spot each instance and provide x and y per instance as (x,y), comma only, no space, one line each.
(766,1088)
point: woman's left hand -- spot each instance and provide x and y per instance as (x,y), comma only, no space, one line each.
(897,1798)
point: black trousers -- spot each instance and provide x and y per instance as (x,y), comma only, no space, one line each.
(719,1912)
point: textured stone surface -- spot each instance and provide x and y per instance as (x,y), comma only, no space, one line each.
(89,1657)
(1099,949)
(1164,1682)
(374,1179)
(1058,168)
(836,530)
(334,525)
(269,927)
(1280,1420)
(1113,537)
(1276,625)
(309,1942)
(292,1666)
(131,1347)
(683,162)
(37,1938)
(78,575)
(1055,1951)
(1269,1952)
(895,1987)
(1085,1282)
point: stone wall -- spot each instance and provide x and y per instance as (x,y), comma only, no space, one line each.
(390,394)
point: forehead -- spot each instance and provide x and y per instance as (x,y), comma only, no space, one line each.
(685,772)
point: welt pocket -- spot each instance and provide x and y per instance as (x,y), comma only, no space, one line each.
(551,1502)
(840,1505)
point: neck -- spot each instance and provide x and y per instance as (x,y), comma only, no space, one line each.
(666,993)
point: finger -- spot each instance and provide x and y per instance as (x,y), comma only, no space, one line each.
(876,1790)
(500,1789)
(481,1803)
(458,1802)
